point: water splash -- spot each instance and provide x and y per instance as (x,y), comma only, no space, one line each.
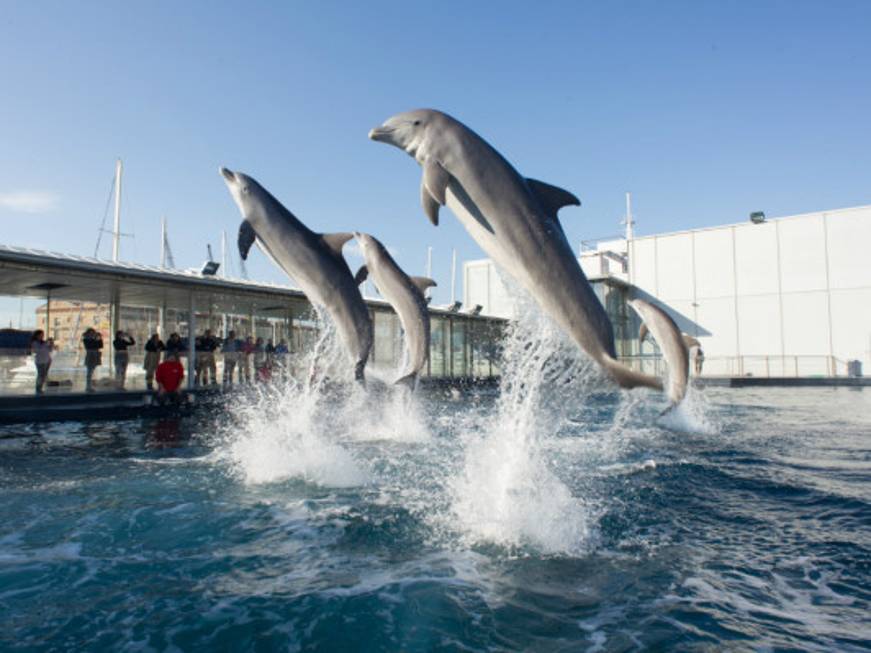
(506,492)
(301,425)
(692,415)
(281,430)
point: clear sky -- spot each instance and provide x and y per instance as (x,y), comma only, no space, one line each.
(704,110)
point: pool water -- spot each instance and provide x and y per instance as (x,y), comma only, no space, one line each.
(377,523)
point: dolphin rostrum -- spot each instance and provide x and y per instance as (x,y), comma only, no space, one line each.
(312,260)
(672,343)
(406,295)
(514,220)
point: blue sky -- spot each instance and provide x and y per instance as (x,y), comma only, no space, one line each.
(704,110)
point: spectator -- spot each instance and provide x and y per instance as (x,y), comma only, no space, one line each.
(152,358)
(258,357)
(122,356)
(231,356)
(260,367)
(41,349)
(247,352)
(169,376)
(281,352)
(93,342)
(206,368)
(699,360)
(173,346)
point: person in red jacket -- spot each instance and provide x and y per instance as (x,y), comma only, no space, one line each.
(169,376)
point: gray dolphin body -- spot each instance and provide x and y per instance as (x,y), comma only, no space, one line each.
(514,220)
(313,260)
(406,295)
(672,343)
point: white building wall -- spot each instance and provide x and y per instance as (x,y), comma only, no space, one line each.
(780,297)
(482,285)
(776,298)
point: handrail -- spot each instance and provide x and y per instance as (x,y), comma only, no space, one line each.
(802,365)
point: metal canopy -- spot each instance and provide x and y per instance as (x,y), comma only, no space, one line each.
(30,273)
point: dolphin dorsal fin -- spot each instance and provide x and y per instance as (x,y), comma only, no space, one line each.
(551,198)
(642,332)
(422,283)
(361,275)
(246,239)
(336,241)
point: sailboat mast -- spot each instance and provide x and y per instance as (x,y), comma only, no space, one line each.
(116,233)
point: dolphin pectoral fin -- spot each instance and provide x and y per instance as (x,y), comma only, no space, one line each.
(336,241)
(642,332)
(361,275)
(436,179)
(551,198)
(430,205)
(626,377)
(422,283)
(246,239)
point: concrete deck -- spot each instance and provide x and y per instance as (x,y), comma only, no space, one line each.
(784,382)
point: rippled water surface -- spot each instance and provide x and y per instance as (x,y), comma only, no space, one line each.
(368,522)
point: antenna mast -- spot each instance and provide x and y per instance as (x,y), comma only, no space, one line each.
(224,254)
(628,220)
(428,267)
(454,276)
(116,233)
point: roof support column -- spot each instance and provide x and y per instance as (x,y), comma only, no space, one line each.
(114,320)
(192,336)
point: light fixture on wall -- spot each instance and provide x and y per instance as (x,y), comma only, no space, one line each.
(210,267)
(757,217)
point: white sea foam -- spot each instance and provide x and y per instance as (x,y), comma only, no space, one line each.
(506,492)
(287,429)
(692,415)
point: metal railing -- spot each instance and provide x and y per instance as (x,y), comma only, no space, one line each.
(757,366)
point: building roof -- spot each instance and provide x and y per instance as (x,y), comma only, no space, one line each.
(28,272)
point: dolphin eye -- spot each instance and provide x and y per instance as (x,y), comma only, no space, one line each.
(245,190)
(416,123)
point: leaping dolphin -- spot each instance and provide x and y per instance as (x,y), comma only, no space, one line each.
(514,219)
(672,343)
(406,295)
(312,260)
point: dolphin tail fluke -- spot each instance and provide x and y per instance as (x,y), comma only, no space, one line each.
(409,381)
(626,377)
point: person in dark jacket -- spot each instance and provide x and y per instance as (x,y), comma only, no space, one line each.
(152,358)
(206,368)
(41,349)
(122,357)
(93,342)
(231,349)
(173,346)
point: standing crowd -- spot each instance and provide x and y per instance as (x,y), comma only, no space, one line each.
(246,360)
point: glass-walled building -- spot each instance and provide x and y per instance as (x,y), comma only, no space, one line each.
(68,295)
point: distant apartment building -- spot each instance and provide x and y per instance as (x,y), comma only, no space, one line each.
(66,322)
